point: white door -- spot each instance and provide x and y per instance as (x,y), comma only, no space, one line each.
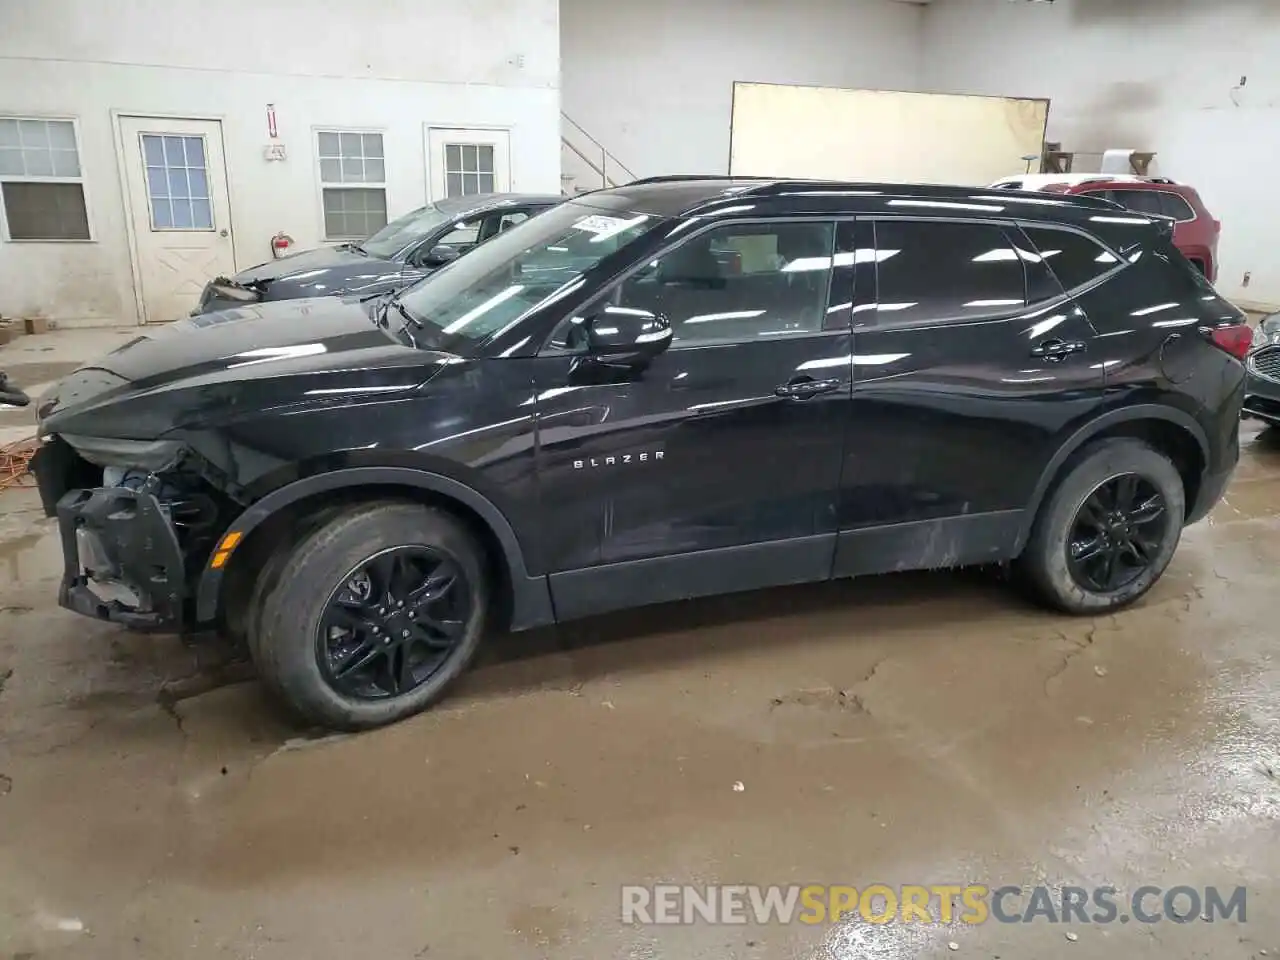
(462,162)
(179,208)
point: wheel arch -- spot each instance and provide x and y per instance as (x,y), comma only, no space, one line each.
(528,597)
(1170,430)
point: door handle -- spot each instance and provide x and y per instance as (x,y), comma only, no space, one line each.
(1054,350)
(802,389)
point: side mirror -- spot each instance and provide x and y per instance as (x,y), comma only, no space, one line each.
(439,255)
(625,337)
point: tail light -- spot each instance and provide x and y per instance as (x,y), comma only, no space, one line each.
(1236,339)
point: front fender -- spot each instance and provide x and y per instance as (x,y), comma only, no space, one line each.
(531,598)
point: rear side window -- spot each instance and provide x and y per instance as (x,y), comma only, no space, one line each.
(1174,206)
(1140,201)
(1074,258)
(932,271)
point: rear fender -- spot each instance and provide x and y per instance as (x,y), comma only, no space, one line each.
(1093,429)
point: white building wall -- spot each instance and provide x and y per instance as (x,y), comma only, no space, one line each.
(393,65)
(653,81)
(1159,75)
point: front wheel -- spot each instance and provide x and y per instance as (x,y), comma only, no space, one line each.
(372,616)
(1109,530)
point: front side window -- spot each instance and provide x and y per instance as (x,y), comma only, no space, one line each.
(353,179)
(1072,257)
(403,231)
(40,180)
(738,282)
(935,271)
(492,287)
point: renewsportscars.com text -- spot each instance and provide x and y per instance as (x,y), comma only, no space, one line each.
(932,904)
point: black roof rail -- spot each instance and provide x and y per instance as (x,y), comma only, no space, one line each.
(690,177)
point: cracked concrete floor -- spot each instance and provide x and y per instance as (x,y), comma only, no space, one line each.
(914,729)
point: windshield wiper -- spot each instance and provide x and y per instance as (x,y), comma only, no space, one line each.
(395,304)
(409,320)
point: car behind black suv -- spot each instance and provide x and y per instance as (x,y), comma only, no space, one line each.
(399,255)
(680,387)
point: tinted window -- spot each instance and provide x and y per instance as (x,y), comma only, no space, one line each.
(1074,259)
(1174,206)
(937,271)
(1139,201)
(734,283)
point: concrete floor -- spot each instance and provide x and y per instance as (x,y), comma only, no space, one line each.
(913,729)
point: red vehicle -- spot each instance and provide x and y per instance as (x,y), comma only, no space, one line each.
(1195,232)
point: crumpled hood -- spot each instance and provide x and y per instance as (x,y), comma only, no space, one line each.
(266,353)
(328,259)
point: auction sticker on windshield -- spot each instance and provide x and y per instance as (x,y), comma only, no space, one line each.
(603,226)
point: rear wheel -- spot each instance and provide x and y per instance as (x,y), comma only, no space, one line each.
(372,616)
(1108,531)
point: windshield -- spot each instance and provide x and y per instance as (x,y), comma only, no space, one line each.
(397,234)
(494,285)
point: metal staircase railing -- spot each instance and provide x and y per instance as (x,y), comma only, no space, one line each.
(603,169)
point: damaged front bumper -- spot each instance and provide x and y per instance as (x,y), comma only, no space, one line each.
(122,561)
(126,548)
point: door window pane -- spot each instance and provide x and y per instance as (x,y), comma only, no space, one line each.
(177,182)
(1074,259)
(739,282)
(463,235)
(931,271)
(469,169)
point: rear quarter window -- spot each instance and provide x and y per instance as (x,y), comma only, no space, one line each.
(1176,207)
(1074,259)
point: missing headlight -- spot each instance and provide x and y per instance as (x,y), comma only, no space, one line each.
(154,456)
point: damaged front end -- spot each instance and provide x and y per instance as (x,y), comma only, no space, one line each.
(138,520)
(222,293)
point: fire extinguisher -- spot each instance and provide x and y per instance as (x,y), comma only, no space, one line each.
(280,245)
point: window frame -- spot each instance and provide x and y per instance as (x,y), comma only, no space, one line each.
(321,185)
(844,329)
(6,235)
(1069,293)
(1011,230)
(1110,192)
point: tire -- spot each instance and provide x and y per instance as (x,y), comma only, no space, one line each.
(1046,566)
(289,613)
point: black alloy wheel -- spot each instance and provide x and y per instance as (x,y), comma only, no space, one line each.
(1117,534)
(393,623)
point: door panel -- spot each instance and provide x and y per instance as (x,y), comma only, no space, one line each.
(704,448)
(179,208)
(466,162)
(953,419)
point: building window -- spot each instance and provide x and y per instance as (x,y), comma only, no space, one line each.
(353,181)
(177,182)
(40,181)
(468,169)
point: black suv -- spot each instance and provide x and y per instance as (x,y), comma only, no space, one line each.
(680,387)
